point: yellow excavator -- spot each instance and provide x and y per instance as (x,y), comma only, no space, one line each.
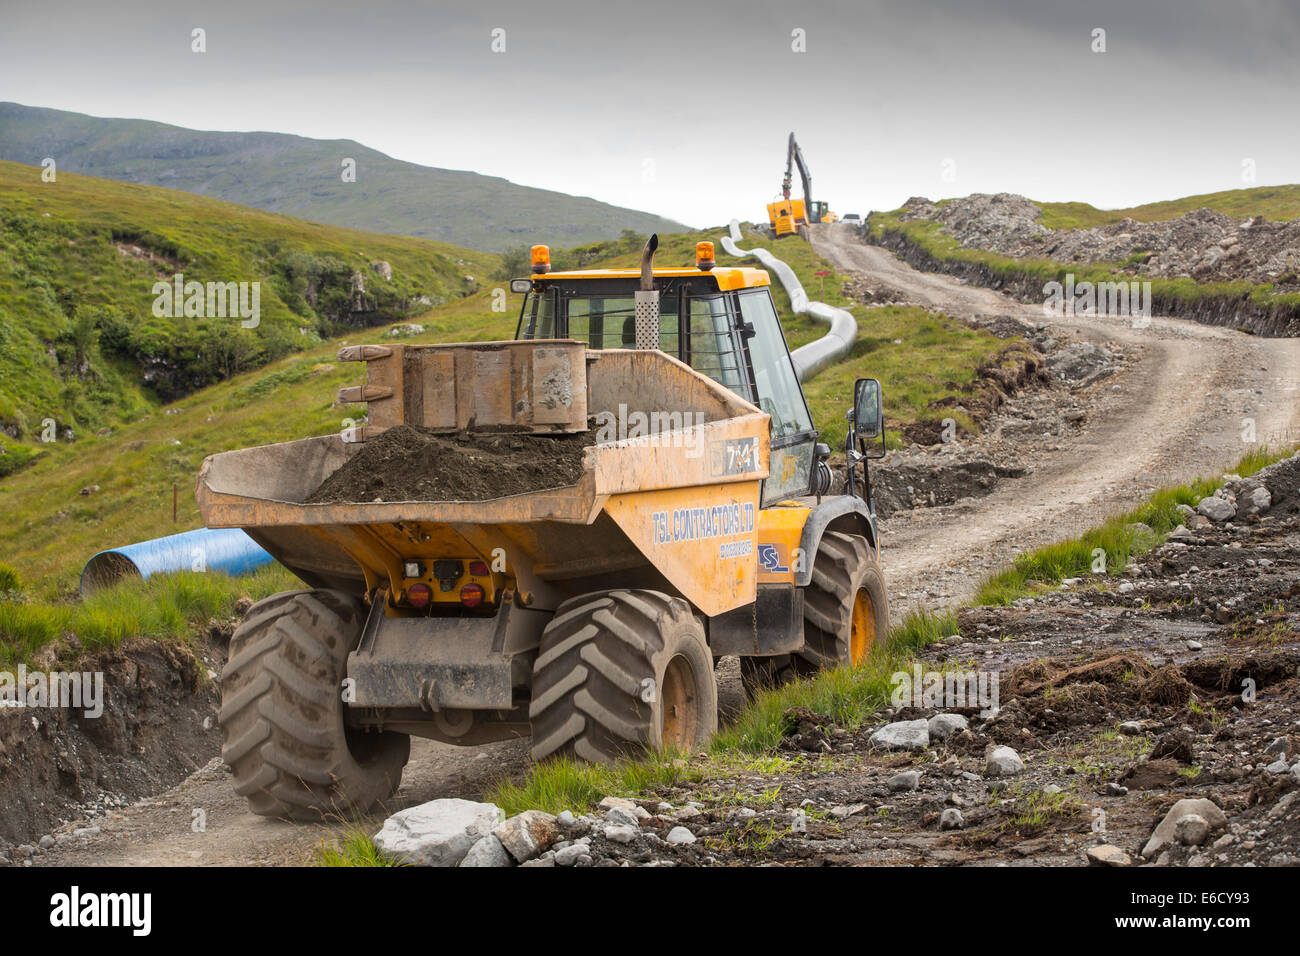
(788,217)
(590,616)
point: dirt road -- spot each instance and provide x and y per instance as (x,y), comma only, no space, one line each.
(1175,412)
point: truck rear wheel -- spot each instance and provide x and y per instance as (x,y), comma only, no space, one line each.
(282,710)
(845,614)
(619,672)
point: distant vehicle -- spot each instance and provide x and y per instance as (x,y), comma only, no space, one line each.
(851,219)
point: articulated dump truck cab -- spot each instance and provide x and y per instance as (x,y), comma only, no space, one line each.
(589,616)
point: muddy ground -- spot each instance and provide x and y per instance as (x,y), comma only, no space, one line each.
(410,463)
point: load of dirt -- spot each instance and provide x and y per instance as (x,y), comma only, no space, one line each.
(411,463)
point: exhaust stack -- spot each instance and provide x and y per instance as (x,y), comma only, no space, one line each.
(647,299)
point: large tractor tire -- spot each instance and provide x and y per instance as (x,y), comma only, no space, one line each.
(845,613)
(282,710)
(622,672)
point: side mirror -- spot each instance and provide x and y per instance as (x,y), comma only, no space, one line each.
(868,418)
(869,414)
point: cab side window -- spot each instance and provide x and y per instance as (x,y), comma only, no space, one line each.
(778,389)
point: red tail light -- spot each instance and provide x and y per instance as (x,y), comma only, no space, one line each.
(419,595)
(471,595)
(478,569)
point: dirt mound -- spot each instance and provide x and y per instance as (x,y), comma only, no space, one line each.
(409,463)
(158,726)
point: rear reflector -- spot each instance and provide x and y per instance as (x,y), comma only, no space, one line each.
(471,595)
(478,569)
(419,595)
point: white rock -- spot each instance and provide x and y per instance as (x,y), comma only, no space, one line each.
(1107,855)
(437,833)
(1003,762)
(951,819)
(487,852)
(621,818)
(621,803)
(1257,500)
(1166,831)
(907,780)
(943,726)
(680,835)
(569,855)
(1216,509)
(903,735)
(527,834)
(621,833)
(1192,830)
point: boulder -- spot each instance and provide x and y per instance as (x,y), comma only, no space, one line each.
(487,852)
(1107,855)
(943,726)
(1003,762)
(1166,832)
(528,834)
(1217,509)
(437,833)
(903,735)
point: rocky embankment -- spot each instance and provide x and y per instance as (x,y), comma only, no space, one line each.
(1202,245)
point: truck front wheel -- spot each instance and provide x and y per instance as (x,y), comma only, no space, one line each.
(282,711)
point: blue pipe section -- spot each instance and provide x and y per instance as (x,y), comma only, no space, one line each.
(830,348)
(228,550)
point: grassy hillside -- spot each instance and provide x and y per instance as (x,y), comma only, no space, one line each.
(302,177)
(53,529)
(1272,202)
(79,342)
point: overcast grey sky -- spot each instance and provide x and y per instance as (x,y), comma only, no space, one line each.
(683,108)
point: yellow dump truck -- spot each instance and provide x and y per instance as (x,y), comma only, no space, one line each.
(589,616)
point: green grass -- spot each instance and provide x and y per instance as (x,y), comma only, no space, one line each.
(565,784)
(164,607)
(78,261)
(847,695)
(353,848)
(1116,536)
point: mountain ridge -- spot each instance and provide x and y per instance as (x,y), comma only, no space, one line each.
(303,177)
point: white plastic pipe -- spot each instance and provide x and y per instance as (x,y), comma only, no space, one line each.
(830,348)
